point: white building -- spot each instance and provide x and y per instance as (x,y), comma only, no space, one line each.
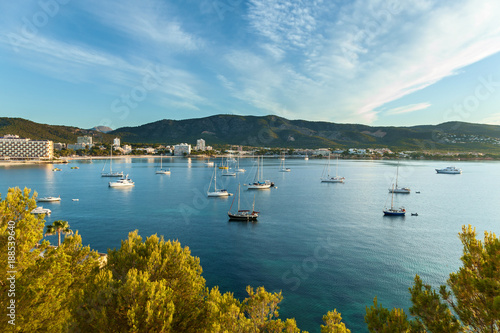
(182,149)
(13,147)
(200,144)
(116,142)
(85,139)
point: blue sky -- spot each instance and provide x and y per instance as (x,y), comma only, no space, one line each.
(127,63)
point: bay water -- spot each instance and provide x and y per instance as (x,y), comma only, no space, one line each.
(323,245)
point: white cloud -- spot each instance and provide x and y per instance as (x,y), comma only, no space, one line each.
(342,65)
(407,108)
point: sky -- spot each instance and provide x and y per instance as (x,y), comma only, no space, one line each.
(122,63)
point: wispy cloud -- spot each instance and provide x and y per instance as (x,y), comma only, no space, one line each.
(407,108)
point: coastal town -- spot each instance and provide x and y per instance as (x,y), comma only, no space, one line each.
(14,149)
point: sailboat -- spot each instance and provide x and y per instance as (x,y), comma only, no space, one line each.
(393,211)
(396,189)
(327,178)
(258,184)
(162,171)
(282,165)
(306,158)
(243,215)
(216,192)
(222,166)
(238,169)
(111,173)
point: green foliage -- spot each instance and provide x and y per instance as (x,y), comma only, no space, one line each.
(474,295)
(333,323)
(58,227)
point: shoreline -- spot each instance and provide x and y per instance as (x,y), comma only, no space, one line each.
(90,158)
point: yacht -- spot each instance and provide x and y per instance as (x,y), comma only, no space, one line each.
(49,199)
(122,182)
(326,178)
(450,170)
(282,165)
(397,189)
(111,173)
(41,210)
(258,184)
(241,214)
(216,192)
(162,171)
(394,211)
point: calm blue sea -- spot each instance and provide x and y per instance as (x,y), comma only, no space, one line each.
(324,246)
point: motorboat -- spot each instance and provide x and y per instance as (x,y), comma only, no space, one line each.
(122,182)
(450,170)
(41,210)
(49,199)
(282,165)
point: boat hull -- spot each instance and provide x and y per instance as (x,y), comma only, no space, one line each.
(332,180)
(217,194)
(120,174)
(243,216)
(120,185)
(449,172)
(259,186)
(162,172)
(394,213)
(49,199)
(400,190)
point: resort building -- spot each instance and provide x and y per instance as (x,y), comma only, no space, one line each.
(14,147)
(87,140)
(200,144)
(116,142)
(182,149)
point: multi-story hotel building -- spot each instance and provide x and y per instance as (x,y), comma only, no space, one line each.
(181,149)
(14,147)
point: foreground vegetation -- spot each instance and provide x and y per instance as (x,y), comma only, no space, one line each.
(154,285)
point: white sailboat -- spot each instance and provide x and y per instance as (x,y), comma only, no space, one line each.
(326,178)
(243,215)
(282,165)
(238,169)
(216,192)
(111,173)
(162,171)
(394,211)
(306,158)
(258,184)
(396,189)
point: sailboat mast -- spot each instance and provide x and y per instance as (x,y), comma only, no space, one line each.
(397,175)
(239,197)
(392,198)
(111,160)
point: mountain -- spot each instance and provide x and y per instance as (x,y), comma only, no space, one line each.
(274,131)
(103,129)
(35,131)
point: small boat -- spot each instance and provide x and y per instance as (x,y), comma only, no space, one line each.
(326,178)
(414,214)
(49,199)
(243,215)
(306,158)
(394,211)
(122,182)
(56,169)
(229,174)
(75,199)
(111,173)
(417,192)
(41,210)
(162,171)
(282,165)
(397,189)
(209,163)
(450,170)
(75,167)
(216,192)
